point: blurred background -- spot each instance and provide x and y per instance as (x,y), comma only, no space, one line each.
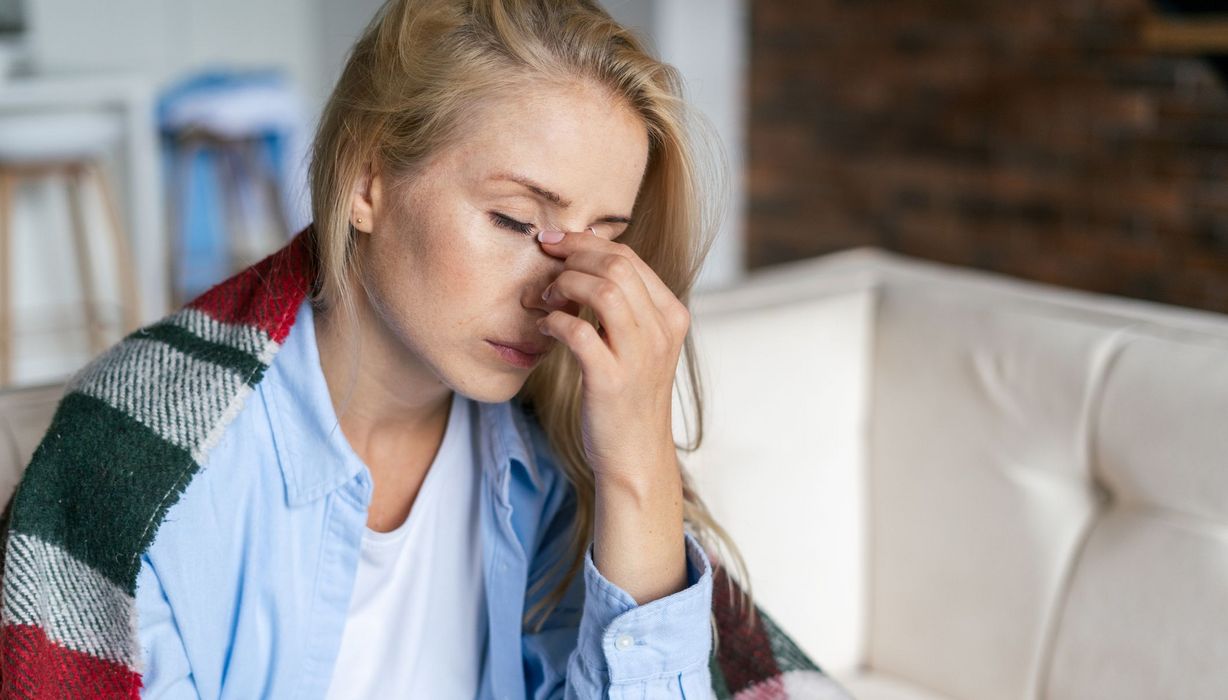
(963,326)
(1077,142)
(148,148)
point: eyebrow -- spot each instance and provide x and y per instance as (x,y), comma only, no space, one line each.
(553,197)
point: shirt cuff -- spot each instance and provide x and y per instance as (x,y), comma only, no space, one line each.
(634,642)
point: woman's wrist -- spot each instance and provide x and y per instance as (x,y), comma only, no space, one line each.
(638,533)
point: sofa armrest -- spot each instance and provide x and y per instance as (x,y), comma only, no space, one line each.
(784,368)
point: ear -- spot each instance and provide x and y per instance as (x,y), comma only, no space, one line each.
(366,199)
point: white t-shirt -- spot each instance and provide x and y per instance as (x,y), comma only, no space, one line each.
(416,626)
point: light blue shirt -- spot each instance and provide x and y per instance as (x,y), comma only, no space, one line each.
(244,592)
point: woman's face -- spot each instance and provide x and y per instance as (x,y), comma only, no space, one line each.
(447,270)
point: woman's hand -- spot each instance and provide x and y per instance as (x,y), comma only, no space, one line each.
(629,364)
(628,369)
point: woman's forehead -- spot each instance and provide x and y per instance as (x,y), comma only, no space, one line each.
(557,122)
(555,153)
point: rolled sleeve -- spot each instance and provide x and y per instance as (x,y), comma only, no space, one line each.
(664,643)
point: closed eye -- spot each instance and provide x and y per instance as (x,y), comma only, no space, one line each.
(511,224)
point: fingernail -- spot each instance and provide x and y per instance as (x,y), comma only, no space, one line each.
(546,294)
(550,236)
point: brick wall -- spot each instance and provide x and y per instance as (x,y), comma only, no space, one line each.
(1041,139)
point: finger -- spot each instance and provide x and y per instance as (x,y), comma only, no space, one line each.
(620,270)
(606,298)
(572,243)
(595,357)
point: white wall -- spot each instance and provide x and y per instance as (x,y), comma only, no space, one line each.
(164,39)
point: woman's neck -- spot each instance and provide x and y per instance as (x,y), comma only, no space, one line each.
(387,403)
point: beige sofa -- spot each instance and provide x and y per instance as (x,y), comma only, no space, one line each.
(951,484)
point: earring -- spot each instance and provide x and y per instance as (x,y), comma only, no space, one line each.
(360,219)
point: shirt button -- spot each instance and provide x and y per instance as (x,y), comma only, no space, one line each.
(624,642)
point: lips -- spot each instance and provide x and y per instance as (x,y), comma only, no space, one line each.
(528,348)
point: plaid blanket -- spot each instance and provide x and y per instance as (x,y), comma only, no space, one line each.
(132,429)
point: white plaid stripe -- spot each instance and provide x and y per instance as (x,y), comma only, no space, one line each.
(75,606)
(250,339)
(179,397)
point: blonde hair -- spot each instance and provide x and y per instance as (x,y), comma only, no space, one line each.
(418,69)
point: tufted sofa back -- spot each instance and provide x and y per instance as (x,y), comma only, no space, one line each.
(951,484)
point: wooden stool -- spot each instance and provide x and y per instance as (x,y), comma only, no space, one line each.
(68,147)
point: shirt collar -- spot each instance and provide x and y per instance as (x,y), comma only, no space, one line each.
(316,458)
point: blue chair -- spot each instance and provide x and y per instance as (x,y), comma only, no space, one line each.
(227,139)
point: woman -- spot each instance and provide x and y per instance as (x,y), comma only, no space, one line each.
(426,449)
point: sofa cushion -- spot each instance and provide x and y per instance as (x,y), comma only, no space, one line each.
(980,483)
(1147,613)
